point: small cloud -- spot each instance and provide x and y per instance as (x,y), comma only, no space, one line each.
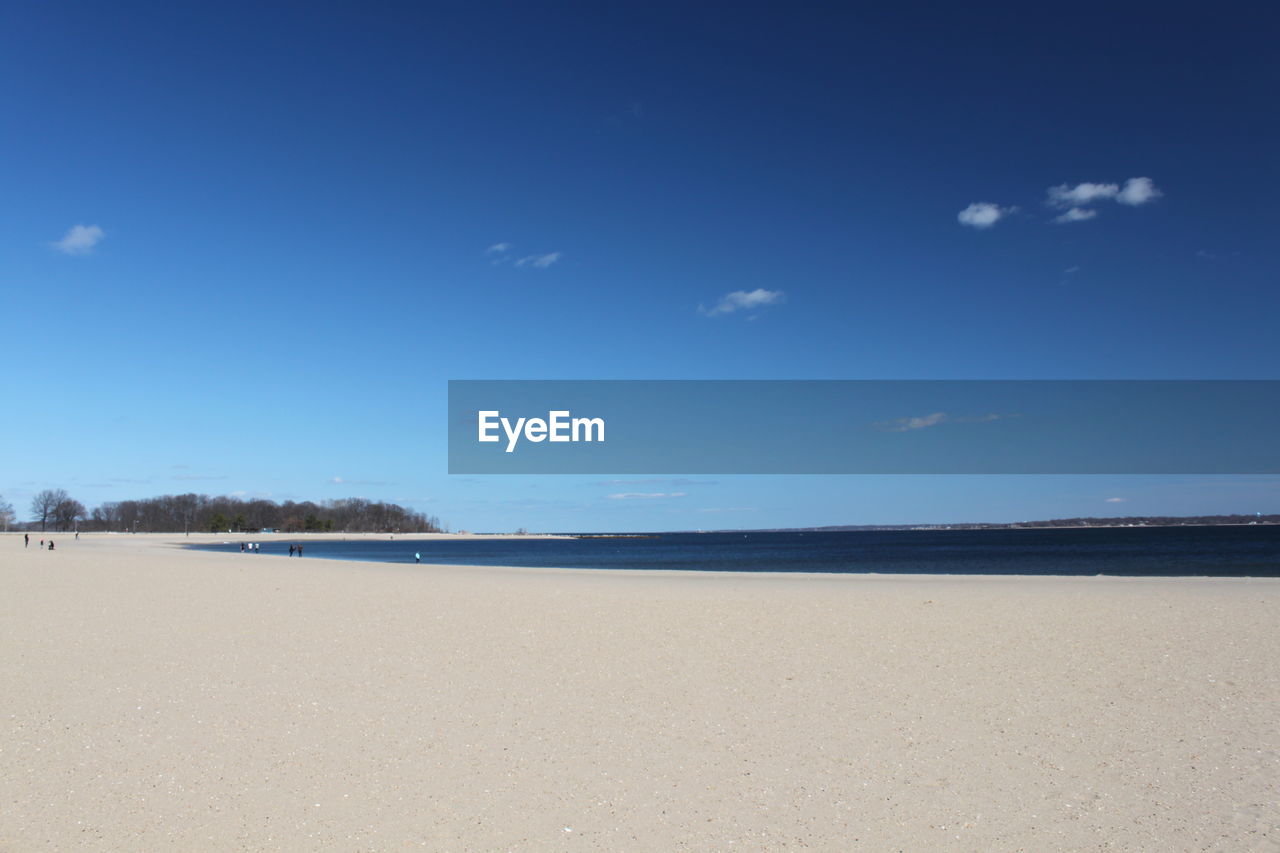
(79,240)
(1138,191)
(1076,214)
(667,481)
(539,261)
(908,424)
(337,480)
(983,214)
(1071,270)
(1116,500)
(743,300)
(1086,193)
(1074,200)
(627,496)
(498,249)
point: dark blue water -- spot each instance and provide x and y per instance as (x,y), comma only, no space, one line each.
(1156,551)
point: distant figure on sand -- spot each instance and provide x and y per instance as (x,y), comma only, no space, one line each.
(50,544)
(241,547)
(26,539)
(299,549)
(291,550)
(417,558)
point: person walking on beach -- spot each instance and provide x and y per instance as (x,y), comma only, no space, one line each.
(241,547)
(417,557)
(26,540)
(291,547)
(50,544)
(299,549)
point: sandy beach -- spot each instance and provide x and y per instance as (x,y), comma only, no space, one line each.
(161,699)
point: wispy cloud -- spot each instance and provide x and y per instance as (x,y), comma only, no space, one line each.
(79,239)
(343,481)
(1076,214)
(926,421)
(983,214)
(1116,500)
(908,424)
(539,261)
(1075,200)
(666,481)
(1138,191)
(742,300)
(1064,195)
(627,496)
(498,249)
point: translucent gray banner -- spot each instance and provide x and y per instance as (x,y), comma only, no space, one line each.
(864,427)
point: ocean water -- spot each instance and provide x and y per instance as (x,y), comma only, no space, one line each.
(1250,551)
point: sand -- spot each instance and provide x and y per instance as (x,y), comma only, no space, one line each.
(157,699)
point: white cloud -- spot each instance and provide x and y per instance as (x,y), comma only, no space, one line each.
(907,424)
(1065,196)
(498,249)
(337,480)
(79,239)
(743,300)
(539,261)
(1116,500)
(626,496)
(1138,191)
(1076,214)
(983,214)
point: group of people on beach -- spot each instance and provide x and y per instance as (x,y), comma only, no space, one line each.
(26,541)
(256,548)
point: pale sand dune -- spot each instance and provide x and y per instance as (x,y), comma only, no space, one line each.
(155,699)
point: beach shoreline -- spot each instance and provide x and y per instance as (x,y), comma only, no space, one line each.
(161,697)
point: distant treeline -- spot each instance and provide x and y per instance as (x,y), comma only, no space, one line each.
(1152,520)
(1118,521)
(54,509)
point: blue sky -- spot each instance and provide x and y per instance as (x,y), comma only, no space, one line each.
(287,220)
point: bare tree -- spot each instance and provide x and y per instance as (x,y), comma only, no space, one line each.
(68,514)
(45,503)
(6,514)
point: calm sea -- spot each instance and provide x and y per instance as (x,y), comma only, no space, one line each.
(1252,551)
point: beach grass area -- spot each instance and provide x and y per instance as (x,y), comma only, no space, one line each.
(156,698)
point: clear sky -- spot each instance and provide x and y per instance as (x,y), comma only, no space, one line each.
(243,248)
